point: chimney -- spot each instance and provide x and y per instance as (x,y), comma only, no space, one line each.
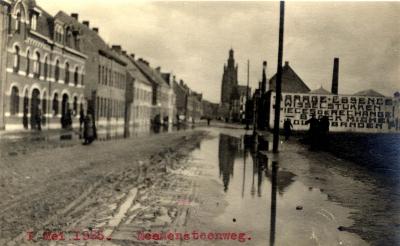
(86,23)
(335,77)
(133,56)
(143,61)
(286,63)
(264,78)
(124,52)
(158,69)
(75,16)
(117,48)
(181,82)
(96,29)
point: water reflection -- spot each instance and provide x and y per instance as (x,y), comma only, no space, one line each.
(227,152)
(232,150)
(273,203)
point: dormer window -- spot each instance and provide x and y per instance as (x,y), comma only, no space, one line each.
(59,33)
(68,37)
(34,22)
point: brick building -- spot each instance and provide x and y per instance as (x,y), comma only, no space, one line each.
(162,94)
(106,71)
(238,103)
(181,95)
(189,107)
(42,68)
(196,107)
(140,110)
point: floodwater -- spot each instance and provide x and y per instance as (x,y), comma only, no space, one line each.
(266,200)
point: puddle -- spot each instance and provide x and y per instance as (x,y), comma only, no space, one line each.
(266,201)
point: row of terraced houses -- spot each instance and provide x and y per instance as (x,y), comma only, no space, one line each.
(56,69)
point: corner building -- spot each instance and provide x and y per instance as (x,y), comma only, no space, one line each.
(42,68)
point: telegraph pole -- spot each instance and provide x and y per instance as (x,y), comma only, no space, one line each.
(279,78)
(247,95)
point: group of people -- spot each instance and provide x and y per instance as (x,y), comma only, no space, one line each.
(317,133)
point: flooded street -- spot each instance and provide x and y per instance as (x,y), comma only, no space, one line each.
(263,199)
(202,186)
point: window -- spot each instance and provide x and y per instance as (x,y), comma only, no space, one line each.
(75,106)
(110,77)
(57,71)
(99,79)
(28,63)
(55,104)
(76,76)
(14,101)
(77,40)
(46,68)
(82,79)
(36,65)
(106,76)
(34,22)
(18,22)
(16,59)
(66,73)
(68,37)
(102,75)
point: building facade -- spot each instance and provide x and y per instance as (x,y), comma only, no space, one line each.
(140,109)
(238,103)
(42,68)
(181,98)
(162,94)
(106,82)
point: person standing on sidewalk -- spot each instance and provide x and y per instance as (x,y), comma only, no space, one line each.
(39,119)
(287,126)
(313,131)
(88,130)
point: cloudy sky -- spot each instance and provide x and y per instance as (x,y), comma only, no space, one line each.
(192,39)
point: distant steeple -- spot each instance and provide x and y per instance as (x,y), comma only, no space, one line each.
(229,78)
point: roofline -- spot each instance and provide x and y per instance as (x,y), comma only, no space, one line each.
(297,76)
(112,56)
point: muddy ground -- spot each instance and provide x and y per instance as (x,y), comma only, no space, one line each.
(78,188)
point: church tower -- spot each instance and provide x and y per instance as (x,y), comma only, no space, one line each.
(229,79)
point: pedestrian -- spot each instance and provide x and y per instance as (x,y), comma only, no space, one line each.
(68,119)
(287,126)
(313,131)
(39,119)
(323,131)
(88,129)
(208,121)
(81,119)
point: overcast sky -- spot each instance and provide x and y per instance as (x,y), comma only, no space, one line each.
(192,39)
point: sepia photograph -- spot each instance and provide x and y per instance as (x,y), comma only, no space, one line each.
(221,123)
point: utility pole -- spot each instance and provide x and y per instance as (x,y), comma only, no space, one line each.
(279,78)
(247,96)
